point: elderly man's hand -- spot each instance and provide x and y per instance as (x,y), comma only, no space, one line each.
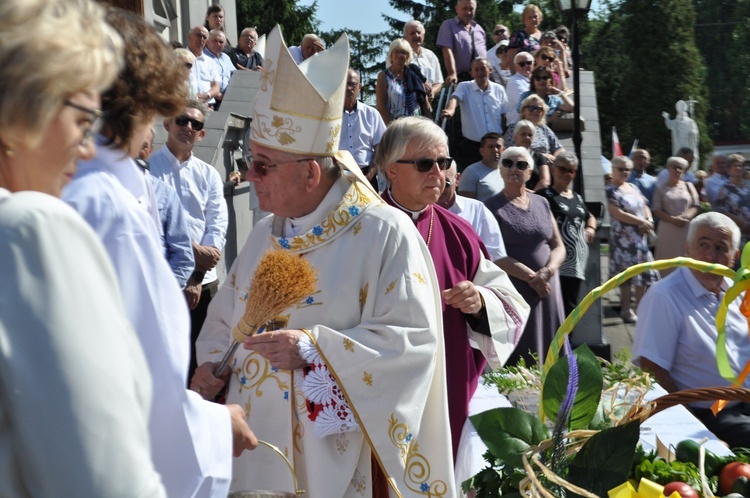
(447,113)
(242,436)
(464,296)
(193,294)
(205,383)
(279,347)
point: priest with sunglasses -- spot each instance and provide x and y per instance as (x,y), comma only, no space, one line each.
(483,315)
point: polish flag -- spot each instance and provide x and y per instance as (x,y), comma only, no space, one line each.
(616,147)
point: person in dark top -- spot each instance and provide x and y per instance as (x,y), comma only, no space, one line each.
(244,56)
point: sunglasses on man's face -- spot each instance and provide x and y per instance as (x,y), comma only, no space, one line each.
(498,32)
(534,108)
(184,120)
(509,163)
(525,63)
(425,164)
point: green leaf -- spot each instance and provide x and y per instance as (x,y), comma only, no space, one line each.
(589,388)
(606,459)
(509,432)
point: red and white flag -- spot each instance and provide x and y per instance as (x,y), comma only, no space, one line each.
(616,147)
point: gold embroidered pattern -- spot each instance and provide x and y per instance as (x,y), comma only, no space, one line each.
(255,371)
(359,483)
(348,344)
(334,132)
(390,287)
(216,351)
(266,75)
(280,128)
(353,204)
(299,431)
(367,378)
(357,228)
(342,443)
(419,278)
(417,467)
(363,296)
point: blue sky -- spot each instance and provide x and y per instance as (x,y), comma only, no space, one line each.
(363,15)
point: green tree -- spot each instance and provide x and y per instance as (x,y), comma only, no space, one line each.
(366,55)
(295,20)
(739,98)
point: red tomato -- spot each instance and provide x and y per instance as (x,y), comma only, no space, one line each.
(729,473)
(684,489)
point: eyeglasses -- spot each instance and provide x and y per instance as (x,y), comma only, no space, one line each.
(563,169)
(184,120)
(541,78)
(547,58)
(261,169)
(449,183)
(534,108)
(425,164)
(525,63)
(200,35)
(502,50)
(509,163)
(562,39)
(498,32)
(96,121)
(623,170)
(188,65)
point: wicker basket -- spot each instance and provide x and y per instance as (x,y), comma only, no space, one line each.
(534,467)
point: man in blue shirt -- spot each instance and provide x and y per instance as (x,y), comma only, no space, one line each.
(215,50)
(645,182)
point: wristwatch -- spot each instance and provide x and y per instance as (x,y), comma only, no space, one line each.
(197,276)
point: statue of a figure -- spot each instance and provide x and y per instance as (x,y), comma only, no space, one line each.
(684,131)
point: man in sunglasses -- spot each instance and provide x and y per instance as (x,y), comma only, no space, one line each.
(201,192)
(359,358)
(500,36)
(518,84)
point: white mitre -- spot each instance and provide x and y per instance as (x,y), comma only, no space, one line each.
(298,108)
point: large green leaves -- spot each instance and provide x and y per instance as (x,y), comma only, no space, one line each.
(605,460)
(509,432)
(589,388)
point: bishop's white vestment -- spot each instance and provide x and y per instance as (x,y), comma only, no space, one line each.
(375,322)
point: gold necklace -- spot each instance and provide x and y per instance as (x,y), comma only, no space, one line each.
(432,218)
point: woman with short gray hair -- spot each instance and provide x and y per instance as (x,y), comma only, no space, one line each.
(577,226)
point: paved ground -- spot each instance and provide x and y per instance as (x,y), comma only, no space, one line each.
(617,333)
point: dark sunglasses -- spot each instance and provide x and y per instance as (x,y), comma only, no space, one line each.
(534,108)
(498,32)
(261,169)
(541,78)
(570,171)
(509,163)
(562,39)
(184,120)
(547,58)
(425,164)
(623,170)
(525,63)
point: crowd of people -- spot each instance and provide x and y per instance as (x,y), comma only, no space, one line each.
(430,269)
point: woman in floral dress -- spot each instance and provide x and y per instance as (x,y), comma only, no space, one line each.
(631,221)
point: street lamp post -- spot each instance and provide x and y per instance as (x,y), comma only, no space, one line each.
(576,9)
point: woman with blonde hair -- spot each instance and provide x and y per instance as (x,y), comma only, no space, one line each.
(75,391)
(631,222)
(534,109)
(528,38)
(399,90)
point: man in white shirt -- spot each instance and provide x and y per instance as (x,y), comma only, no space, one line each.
(518,84)
(482,105)
(676,335)
(311,44)
(362,127)
(500,34)
(424,57)
(204,75)
(482,179)
(473,211)
(217,40)
(201,192)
